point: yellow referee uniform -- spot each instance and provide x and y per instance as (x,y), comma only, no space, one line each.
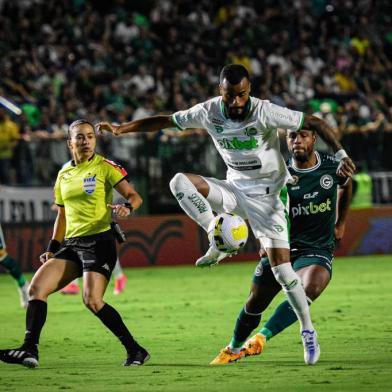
(84,191)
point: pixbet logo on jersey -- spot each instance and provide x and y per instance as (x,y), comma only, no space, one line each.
(237,144)
(311,208)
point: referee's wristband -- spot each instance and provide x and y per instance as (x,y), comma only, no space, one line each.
(53,246)
(129,206)
(339,155)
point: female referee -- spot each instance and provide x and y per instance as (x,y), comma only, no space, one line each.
(83,244)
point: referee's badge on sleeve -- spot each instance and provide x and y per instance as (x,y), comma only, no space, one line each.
(89,184)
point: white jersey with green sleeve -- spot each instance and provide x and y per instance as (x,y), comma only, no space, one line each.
(250,148)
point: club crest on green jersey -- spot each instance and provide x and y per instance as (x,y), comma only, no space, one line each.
(326,181)
(89,184)
(294,181)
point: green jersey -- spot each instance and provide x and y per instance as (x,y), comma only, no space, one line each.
(84,190)
(313,198)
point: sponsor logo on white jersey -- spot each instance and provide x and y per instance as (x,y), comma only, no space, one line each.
(238,144)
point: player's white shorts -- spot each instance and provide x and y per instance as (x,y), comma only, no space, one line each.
(265,213)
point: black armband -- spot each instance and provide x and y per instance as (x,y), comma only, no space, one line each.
(129,206)
(53,246)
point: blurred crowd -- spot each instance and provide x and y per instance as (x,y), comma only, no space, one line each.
(122,60)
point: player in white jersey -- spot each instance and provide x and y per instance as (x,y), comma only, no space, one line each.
(244,131)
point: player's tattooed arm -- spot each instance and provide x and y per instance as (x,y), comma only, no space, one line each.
(346,167)
(324,130)
(148,124)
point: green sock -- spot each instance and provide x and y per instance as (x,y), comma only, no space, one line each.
(13,268)
(244,326)
(266,332)
(282,318)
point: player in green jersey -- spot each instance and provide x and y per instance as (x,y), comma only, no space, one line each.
(7,262)
(319,201)
(83,244)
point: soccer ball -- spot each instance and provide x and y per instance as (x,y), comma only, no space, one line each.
(230,232)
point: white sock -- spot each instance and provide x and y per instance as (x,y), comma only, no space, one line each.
(215,197)
(191,201)
(295,293)
(117,270)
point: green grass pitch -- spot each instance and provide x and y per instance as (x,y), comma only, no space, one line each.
(184,316)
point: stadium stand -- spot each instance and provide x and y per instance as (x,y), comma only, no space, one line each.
(125,60)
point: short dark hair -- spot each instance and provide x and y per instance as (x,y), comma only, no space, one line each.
(79,122)
(233,73)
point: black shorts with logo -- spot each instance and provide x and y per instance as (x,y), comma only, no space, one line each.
(96,252)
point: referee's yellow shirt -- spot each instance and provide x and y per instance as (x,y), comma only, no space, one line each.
(84,191)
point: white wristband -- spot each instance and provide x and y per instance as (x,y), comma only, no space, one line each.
(339,155)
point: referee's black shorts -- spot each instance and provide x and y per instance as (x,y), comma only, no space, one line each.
(96,252)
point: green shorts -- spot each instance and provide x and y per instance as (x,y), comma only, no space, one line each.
(263,273)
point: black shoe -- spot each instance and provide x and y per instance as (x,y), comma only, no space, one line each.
(137,356)
(20,356)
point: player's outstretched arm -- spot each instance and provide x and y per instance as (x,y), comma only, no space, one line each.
(148,124)
(346,167)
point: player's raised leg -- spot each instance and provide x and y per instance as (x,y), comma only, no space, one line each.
(192,193)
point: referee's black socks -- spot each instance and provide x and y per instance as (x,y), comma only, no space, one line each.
(35,320)
(112,320)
